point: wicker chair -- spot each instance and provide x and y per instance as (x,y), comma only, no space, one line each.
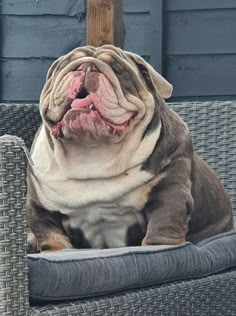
(213,127)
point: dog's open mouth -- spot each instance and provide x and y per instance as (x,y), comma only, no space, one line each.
(83,116)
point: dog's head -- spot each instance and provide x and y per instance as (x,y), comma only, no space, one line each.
(97,104)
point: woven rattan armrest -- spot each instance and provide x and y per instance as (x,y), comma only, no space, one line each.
(13,231)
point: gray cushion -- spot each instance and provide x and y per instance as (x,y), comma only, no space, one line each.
(72,274)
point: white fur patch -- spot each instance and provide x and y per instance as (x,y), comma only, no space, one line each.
(61,193)
(106,225)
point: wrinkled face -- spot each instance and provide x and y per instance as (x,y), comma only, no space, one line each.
(95,95)
(92,105)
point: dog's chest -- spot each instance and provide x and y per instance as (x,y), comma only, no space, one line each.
(106,226)
(112,224)
(101,214)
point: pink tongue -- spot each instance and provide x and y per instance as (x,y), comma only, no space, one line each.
(81,103)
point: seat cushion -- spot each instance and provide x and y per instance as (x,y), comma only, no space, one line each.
(72,274)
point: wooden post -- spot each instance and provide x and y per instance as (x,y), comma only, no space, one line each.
(105,22)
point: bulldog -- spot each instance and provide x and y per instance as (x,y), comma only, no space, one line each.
(113,166)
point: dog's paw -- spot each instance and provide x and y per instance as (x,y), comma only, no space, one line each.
(147,241)
(32,244)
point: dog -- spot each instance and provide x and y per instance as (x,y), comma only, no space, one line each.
(113,165)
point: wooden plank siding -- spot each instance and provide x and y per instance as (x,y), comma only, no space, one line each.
(33,36)
(202,75)
(42,7)
(186,5)
(156,34)
(22,79)
(41,36)
(137,33)
(192,43)
(200,50)
(201,32)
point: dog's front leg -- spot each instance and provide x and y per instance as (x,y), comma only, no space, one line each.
(169,207)
(47,230)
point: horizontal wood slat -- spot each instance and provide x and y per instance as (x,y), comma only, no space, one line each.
(50,36)
(136,6)
(184,5)
(137,33)
(23,79)
(52,7)
(41,36)
(200,32)
(66,7)
(202,75)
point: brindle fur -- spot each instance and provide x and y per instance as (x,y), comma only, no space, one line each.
(186,202)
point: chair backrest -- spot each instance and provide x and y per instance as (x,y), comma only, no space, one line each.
(22,120)
(213,129)
(212,125)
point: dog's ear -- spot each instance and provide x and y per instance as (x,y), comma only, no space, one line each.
(154,80)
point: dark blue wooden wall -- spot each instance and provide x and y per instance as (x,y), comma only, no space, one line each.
(200,48)
(32,37)
(191,42)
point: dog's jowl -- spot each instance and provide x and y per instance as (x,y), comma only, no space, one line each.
(113,165)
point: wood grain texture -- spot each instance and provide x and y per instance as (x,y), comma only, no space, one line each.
(203,75)
(105,22)
(183,5)
(23,79)
(52,7)
(51,36)
(41,36)
(201,32)
(199,47)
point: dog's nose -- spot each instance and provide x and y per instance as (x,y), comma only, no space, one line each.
(87,67)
